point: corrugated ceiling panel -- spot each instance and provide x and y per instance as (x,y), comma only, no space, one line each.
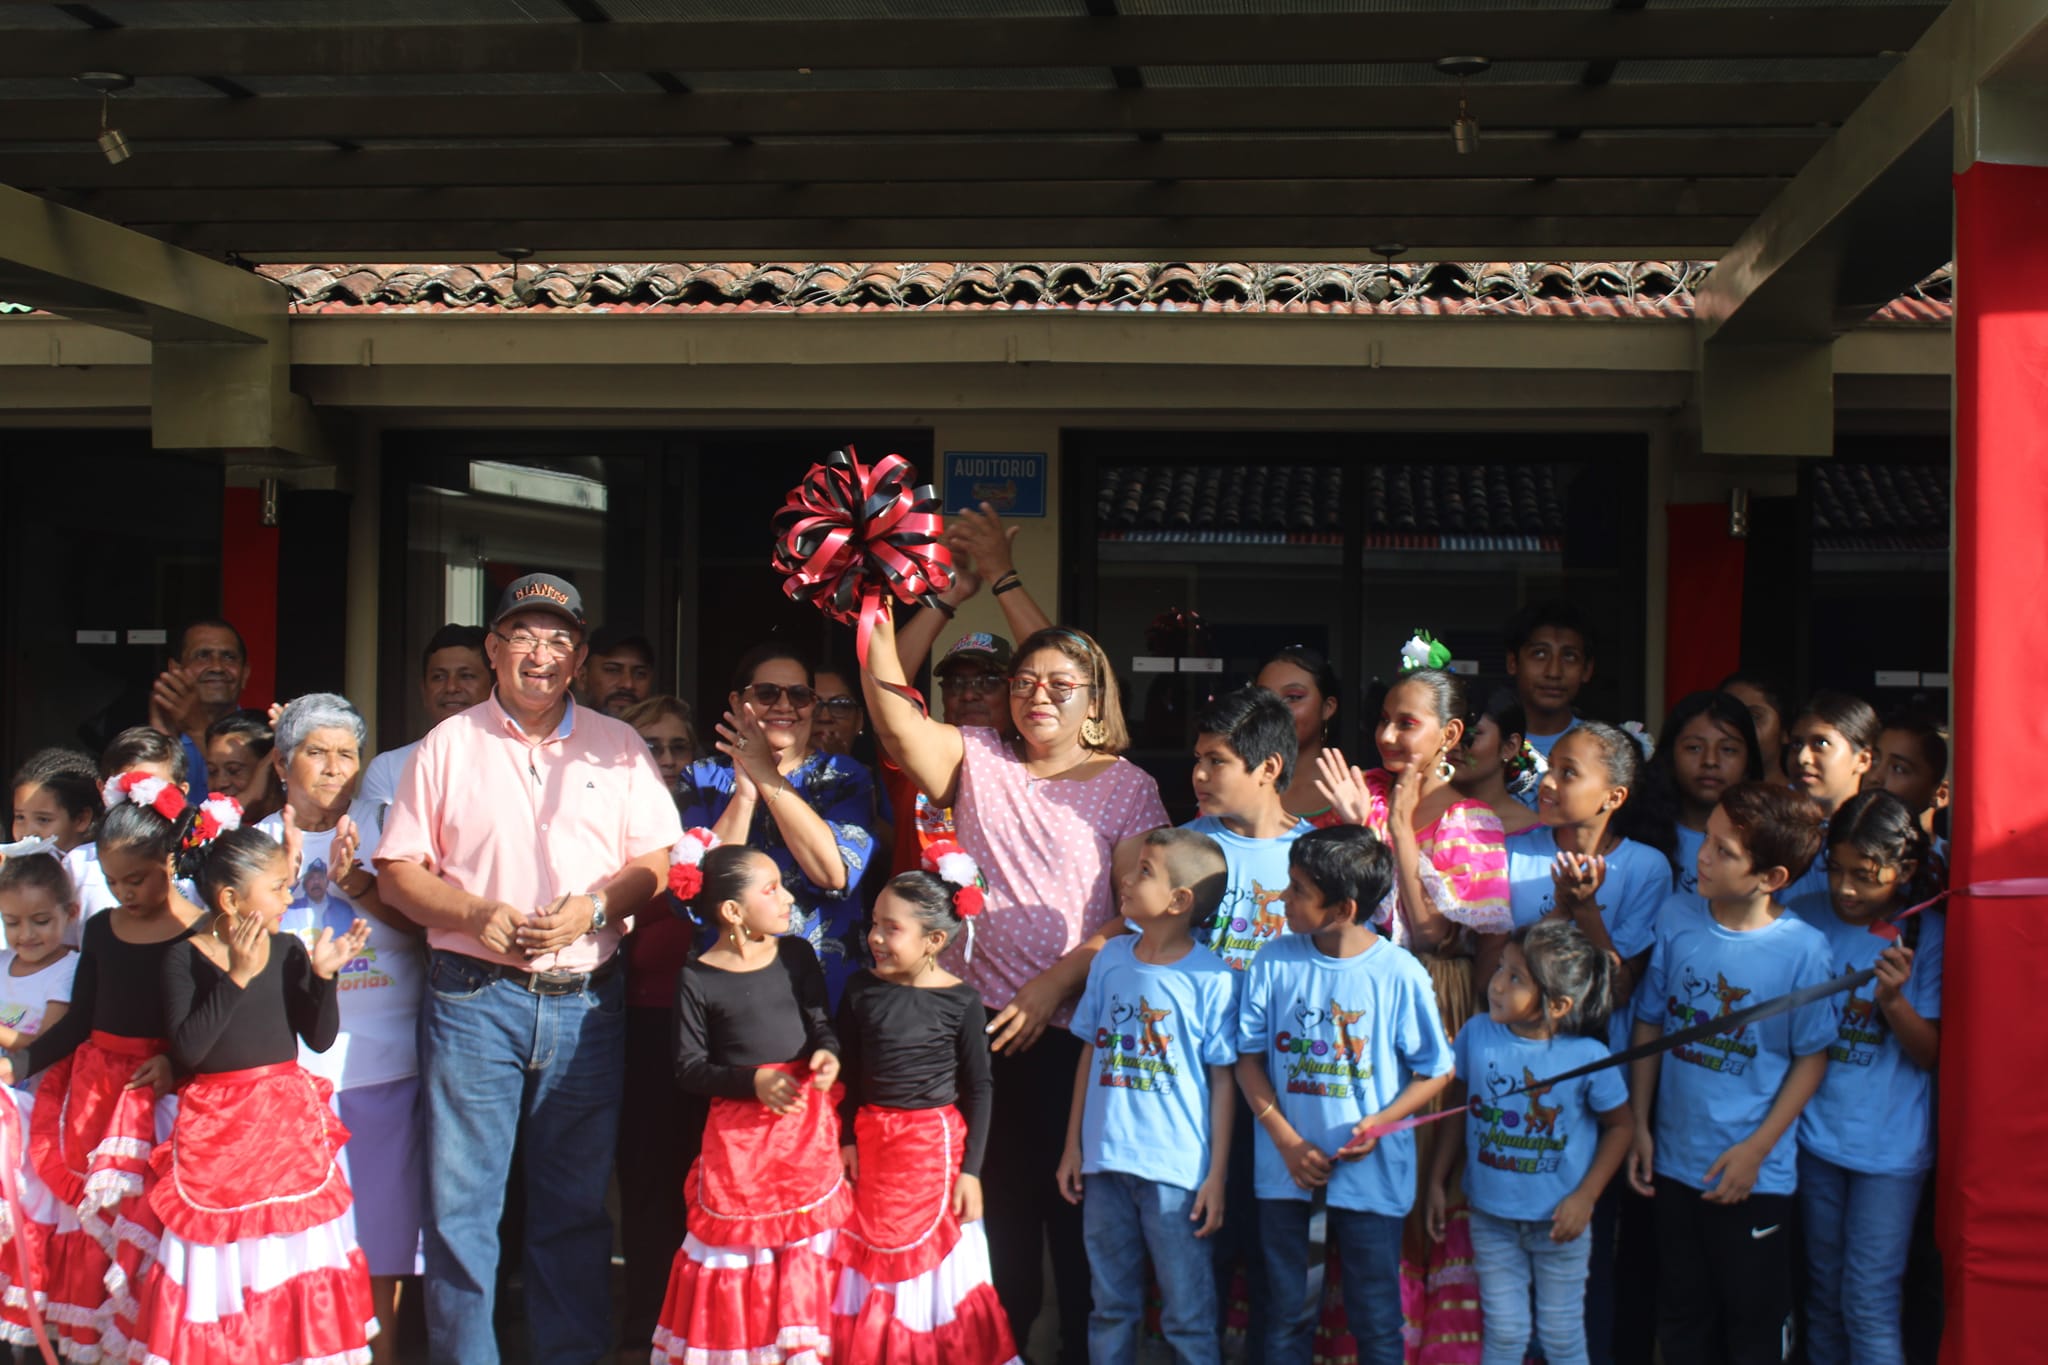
(1864,70)
(1360,74)
(981,78)
(63,87)
(328,14)
(624,10)
(562,83)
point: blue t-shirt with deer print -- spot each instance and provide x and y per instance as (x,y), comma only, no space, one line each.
(1525,1152)
(1156,1029)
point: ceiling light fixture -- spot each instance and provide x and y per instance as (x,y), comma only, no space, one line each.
(522,295)
(1382,288)
(113,143)
(1464,128)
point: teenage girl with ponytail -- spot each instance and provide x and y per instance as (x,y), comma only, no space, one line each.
(107,1060)
(258,1258)
(1535,1162)
(754,1277)
(916,1286)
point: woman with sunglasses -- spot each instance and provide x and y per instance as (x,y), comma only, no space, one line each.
(1042,812)
(808,810)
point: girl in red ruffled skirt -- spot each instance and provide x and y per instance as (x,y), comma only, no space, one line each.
(104,1068)
(258,1259)
(752,1283)
(916,1288)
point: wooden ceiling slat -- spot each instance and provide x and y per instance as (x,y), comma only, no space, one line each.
(1532,34)
(1728,105)
(172,166)
(1039,199)
(950,239)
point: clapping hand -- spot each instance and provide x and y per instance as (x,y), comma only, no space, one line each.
(1576,879)
(980,534)
(248,948)
(741,739)
(172,700)
(341,855)
(331,954)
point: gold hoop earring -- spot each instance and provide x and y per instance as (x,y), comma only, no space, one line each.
(1093,733)
(1443,766)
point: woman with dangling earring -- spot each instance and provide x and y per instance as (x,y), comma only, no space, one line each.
(753,1279)
(1042,812)
(1450,907)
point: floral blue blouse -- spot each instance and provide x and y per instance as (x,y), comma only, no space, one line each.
(841,791)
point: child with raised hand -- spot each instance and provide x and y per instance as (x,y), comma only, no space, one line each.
(107,1058)
(916,1286)
(1709,745)
(258,1254)
(1338,1036)
(1866,1141)
(1719,1161)
(1149,1131)
(1576,866)
(753,1279)
(1536,1160)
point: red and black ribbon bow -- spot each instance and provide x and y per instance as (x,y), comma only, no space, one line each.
(850,536)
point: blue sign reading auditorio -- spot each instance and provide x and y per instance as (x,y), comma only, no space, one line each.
(1012,482)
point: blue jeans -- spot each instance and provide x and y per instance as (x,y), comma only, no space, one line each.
(501,1065)
(1858,1230)
(1370,1244)
(1123,1217)
(1510,1255)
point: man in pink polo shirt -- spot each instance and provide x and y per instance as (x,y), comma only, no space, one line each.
(524,834)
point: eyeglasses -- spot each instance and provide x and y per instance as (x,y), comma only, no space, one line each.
(974,685)
(674,748)
(771,694)
(561,646)
(1061,690)
(840,707)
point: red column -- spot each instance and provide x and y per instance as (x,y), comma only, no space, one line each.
(1993,1178)
(1703,599)
(248,588)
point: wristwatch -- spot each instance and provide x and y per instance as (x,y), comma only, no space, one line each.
(597,915)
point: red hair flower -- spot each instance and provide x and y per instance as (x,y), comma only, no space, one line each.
(144,789)
(218,814)
(949,862)
(685,869)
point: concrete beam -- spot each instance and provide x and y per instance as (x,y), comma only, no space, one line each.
(1869,216)
(86,268)
(852,44)
(1866,219)
(220,364)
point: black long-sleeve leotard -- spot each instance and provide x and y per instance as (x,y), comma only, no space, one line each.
(215,1025)
(916,1047)
(118,989)
(728,1024)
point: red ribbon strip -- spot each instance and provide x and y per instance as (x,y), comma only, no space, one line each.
(851,536)
(28,1271)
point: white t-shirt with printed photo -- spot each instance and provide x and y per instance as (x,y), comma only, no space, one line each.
(380,989)
(25,999)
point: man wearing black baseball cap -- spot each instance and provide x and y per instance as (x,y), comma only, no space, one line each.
(524,834)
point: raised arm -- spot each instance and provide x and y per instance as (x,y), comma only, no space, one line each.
(980,533)
(929,752)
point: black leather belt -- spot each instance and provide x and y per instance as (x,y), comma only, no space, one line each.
(552,983)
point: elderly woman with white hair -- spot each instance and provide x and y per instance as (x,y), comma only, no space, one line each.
(374,1064)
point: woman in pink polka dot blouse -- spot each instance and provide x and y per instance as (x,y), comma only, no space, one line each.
(1043,814)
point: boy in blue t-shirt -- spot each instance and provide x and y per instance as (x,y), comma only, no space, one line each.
(1244,759)
(1721,1156)
(1148,1135)
(1338,1037)
(1549,659)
